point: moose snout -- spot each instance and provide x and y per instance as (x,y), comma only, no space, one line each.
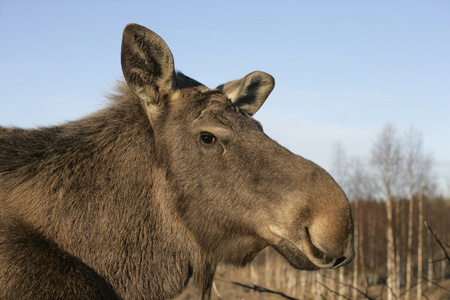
(329,256)
(318,245)
(330,242)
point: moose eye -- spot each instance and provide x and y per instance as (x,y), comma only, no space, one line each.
(207,138)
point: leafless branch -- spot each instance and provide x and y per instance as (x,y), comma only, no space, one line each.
(437,240)
(332,291)
(347,285)
(391,290)
(256,288)
(439,260)
(434,283)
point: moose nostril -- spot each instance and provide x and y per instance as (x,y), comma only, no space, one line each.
(339,261)
(318,253)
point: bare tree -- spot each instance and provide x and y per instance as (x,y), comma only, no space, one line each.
(425,166)
(413,158)
(386,158)
(340,166)
(398,237)
(420,246)
(340,172)
(358,189)
(430,273)
(353,176)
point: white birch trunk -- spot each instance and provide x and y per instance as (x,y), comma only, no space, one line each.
(341,284)
(391,276)
(420,247)
(429,260)
(410,240)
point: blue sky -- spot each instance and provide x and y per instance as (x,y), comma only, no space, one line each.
(343,69)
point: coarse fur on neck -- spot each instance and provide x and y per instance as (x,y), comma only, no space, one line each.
(108,146)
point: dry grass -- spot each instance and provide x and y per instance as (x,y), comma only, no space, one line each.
(280,277)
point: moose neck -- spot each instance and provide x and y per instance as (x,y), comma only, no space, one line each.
(110,207)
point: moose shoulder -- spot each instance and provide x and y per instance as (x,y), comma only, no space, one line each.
(169,180)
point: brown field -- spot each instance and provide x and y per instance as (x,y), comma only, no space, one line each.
(296,284)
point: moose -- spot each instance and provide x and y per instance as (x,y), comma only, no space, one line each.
(160,186)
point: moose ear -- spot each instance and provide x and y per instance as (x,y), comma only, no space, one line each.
(250,92)
(147,64)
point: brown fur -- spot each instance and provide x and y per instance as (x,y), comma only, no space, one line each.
(131,202)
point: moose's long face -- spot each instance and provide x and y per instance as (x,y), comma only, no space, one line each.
(236,189)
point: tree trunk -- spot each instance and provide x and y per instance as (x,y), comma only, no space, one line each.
(430,254)
(397,240)
(334,285)
(386,156)
(303,277)
(420,247)
(372,253)
(291,281)
(315,285)
(254,272)
(341,284)
(268,268)
(361,251)
(391,276)
(410,239)
(356,245)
